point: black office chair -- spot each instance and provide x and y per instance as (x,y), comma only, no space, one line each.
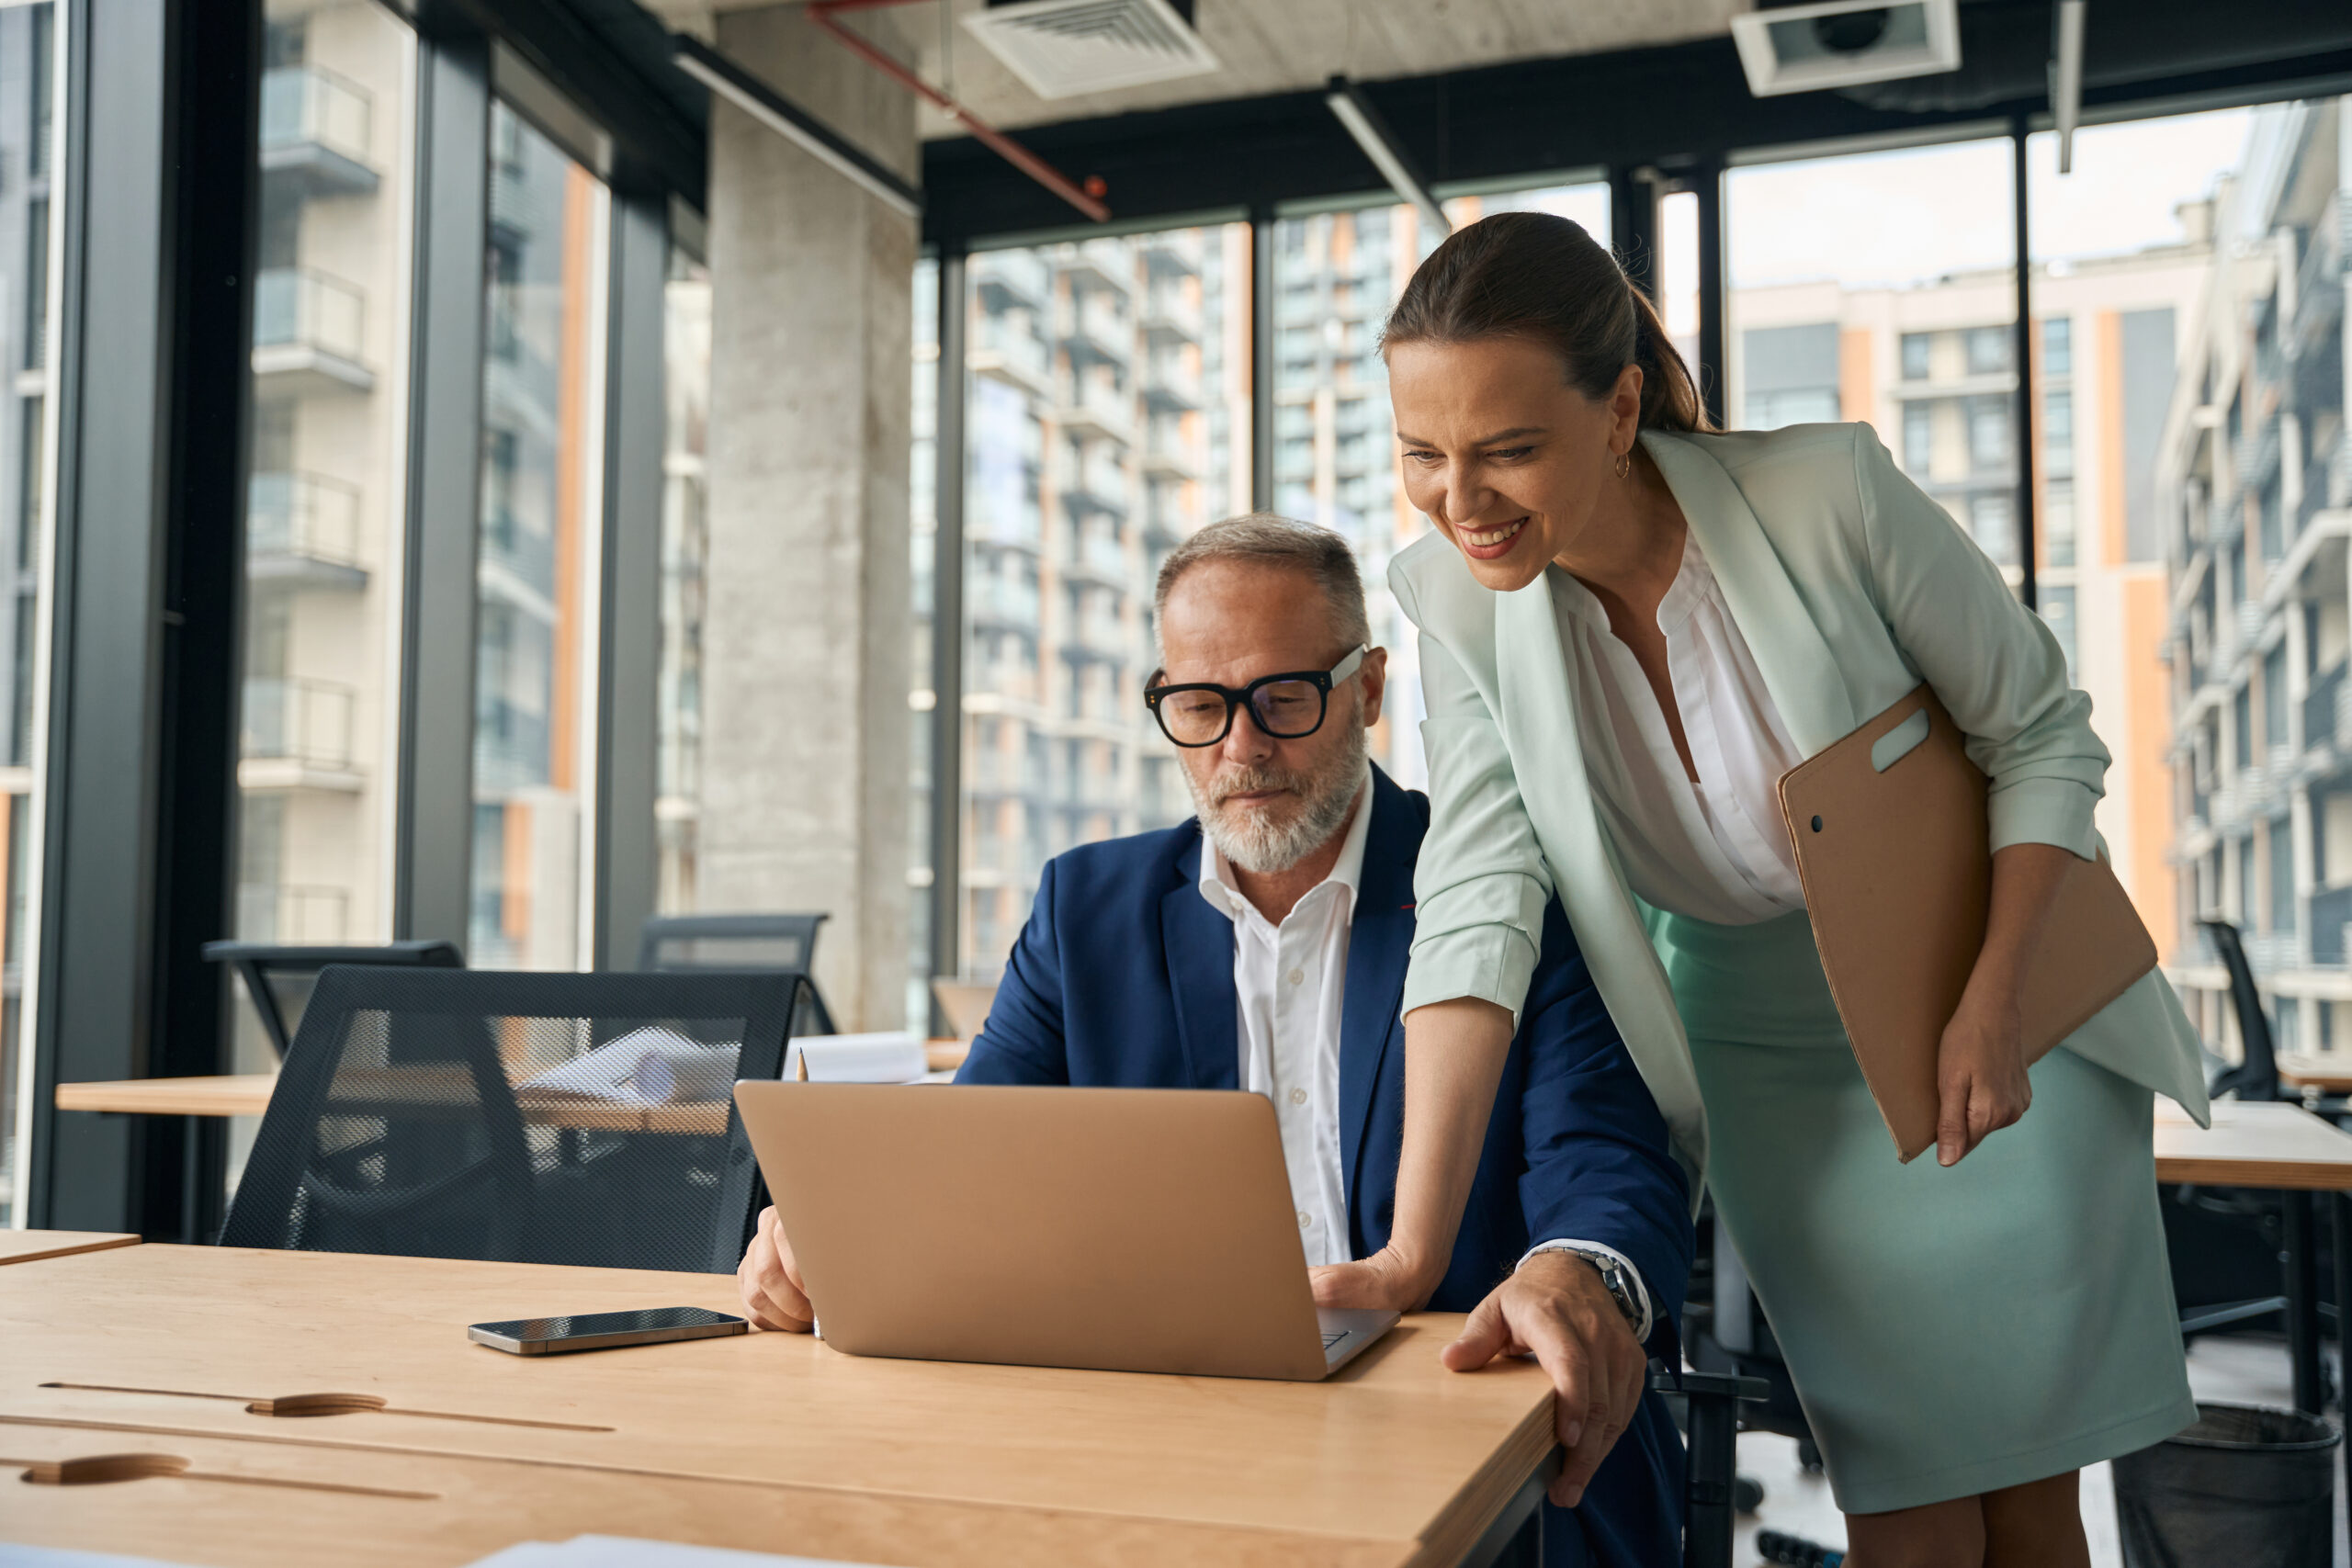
(740,944)
(2218,1238)
(279,978)
(1711,1418)
(413,1117)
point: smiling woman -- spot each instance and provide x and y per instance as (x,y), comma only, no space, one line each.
(1630,628)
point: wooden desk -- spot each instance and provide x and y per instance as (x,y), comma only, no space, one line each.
(2285,1148)
(24,1246)
(768,1441)
(247,1094)
(2315,1076)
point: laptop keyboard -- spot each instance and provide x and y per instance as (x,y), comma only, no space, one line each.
(1331,1337)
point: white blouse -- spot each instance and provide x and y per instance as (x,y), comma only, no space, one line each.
(1717,850)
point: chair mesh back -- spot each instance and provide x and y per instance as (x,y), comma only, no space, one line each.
(740,944)
(582,1119)
(781,950)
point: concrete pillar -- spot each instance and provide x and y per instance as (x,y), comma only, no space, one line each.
(806,652)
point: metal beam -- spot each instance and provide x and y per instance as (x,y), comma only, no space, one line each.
(629,599)
(947,627)
(2030,587)
(794,124)
(431,891)
(1714,369)
(1371,132)
(1262,361)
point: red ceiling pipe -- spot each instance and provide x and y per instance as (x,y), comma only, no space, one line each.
(821,13)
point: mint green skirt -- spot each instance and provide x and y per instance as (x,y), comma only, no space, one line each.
(1950,1331)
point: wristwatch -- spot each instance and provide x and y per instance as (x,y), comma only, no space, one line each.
(1616,1280)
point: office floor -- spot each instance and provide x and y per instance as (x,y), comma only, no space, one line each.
(2230,1371)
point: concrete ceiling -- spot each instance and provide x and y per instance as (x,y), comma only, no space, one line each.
(1274,46)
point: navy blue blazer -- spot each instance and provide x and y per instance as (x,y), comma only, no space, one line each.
(1124,978)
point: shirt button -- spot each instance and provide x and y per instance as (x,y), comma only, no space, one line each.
(1305,1219)
(1298,977)
(1298,1097)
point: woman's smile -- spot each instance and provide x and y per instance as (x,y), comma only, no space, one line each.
(1493,543)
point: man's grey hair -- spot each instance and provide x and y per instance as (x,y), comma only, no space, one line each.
(1268,539)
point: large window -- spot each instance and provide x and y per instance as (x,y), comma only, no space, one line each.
(1881,287)
(2137,342)
(28,105)
(325,496)
(1107,418)
(685,549)
(536,633)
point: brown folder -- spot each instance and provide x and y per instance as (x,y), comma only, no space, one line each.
(1892,843)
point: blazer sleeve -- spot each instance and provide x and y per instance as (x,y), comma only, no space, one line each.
(1994,662)
(1480,887)
(1023,1043)
(1600,1165)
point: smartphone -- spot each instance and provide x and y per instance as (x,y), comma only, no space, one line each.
(604,1330)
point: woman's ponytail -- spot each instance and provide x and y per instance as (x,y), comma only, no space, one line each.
(1534,275)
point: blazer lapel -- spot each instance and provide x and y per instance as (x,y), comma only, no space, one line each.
(1798,667)
(1198,943)
(1379,941)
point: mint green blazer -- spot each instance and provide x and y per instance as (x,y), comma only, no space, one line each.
(1850,586)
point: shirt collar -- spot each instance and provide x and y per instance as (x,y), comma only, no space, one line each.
(1224,894)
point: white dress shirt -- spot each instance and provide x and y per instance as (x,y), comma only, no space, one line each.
(1290,982)
(1716,849)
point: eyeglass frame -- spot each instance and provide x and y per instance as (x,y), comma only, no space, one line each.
(1240,698)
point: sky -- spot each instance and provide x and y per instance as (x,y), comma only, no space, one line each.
(1904,217)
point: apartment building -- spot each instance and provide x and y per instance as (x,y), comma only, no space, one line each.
(1933,368)
(322,517)
(2254,489)
(1108,396)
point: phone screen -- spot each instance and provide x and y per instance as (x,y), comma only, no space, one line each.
(588,1325)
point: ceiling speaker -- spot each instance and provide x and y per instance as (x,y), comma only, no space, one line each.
(1842,43)
(1061,48)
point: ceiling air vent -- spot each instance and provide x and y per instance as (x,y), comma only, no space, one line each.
(1061,48)
(1842,43)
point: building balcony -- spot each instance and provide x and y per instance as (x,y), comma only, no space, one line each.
(1004,523)
(1166,455)
(1098,411)
(1171,384)
(2318,284)
(314,133)
(1099,637)
(1099,560)
(1170,316)
(1012,280)
(295,734)
(302,530)
(1000,604)
(1172,253)
(1001,775)
(1099,263)
(292,915)
(1094,326)
(1006,350)
(1095,482)
(2324,711)
(307,335)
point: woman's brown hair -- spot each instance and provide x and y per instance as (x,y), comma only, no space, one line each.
(1540,277)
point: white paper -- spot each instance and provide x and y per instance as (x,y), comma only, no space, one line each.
(13,1556)
(646,1066)
(892,1057)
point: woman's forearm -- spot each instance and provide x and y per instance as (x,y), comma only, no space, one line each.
(2026,879)
(1453,1061)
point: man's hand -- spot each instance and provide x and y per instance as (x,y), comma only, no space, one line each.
(1557,1309)
(1385,1281)
(770,1280)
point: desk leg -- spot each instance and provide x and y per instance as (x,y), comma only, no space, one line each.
(2341,1204)
(1516,1537)
(2303,1302)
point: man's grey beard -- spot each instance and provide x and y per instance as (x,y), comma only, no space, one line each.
(1254,844)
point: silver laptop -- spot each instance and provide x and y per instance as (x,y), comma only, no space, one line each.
(1126,1230)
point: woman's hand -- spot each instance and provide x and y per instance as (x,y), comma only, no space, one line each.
(1385,1282)
(1980,1071)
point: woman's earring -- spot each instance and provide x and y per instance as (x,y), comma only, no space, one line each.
(1624,463)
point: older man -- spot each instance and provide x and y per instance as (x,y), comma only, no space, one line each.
(1262,947)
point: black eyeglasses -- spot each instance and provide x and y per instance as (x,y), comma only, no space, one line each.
(1286,707)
